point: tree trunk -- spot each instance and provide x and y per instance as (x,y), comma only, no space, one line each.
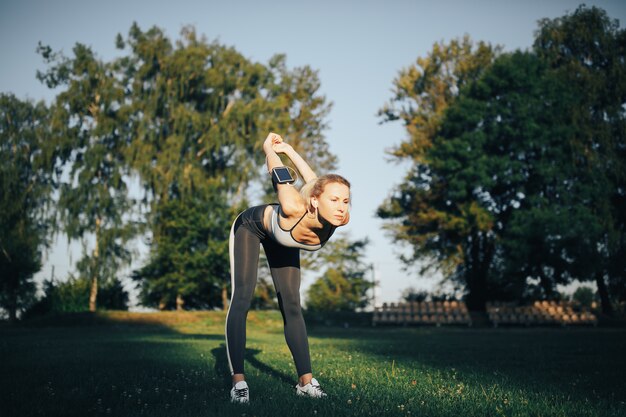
(603,291)
(93,293)
(477,263)
(477,289)
(179,302)
(225,297)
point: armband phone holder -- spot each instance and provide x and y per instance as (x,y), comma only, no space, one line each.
(281,175)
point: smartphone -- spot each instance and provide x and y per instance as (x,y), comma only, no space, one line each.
(281,175)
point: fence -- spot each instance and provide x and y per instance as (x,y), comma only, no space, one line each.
(423,313)
(540,313)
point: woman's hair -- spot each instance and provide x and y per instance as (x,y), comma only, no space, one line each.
(315,188)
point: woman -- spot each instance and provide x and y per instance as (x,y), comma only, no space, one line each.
(301,220)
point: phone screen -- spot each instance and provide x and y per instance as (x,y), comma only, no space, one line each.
(283,174)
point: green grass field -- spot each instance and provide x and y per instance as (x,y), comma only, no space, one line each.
(174,364)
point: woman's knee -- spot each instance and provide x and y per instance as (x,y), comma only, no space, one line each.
(241,300)
(290,305)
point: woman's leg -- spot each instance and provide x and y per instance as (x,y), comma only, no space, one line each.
(244,249)
(285,267)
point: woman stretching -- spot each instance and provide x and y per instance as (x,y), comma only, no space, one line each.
(302,220)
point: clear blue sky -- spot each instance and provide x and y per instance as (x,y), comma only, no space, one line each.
(358,47)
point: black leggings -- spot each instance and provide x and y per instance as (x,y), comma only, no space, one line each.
(245,236)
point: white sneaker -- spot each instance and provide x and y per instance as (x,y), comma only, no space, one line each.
(312,390)
(240,393)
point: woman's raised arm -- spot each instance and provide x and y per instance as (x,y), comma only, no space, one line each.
(290,200)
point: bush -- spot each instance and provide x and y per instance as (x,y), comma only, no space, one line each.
(584,296)
(411,294)
(72,296)
(338,318)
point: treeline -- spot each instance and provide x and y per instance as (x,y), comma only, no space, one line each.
(518,178)
(186,121)
(517,182)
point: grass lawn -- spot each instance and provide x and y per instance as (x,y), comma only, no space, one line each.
(174,364)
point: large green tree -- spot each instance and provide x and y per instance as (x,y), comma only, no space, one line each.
(587,49)
(25,188)
(523,178)
(501,163)
(199,114)
(187,118)
(89,117)
(416,211)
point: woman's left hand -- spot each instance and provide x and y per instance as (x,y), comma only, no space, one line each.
(281,147)
(271,139)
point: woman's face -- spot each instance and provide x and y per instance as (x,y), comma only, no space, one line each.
(333,203)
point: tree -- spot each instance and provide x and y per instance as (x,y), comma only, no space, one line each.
(499,192)
(343,286)
(504,151)
(193,249)
(587,49)
(200,112)
(416,212)
(188,119)
(90,117)
(523,177)
(25,187)
(196,107)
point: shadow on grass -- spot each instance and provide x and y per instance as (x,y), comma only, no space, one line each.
(111,364)
(254,361)
(221,365)
(576,362)
(139,365)
(123,365)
